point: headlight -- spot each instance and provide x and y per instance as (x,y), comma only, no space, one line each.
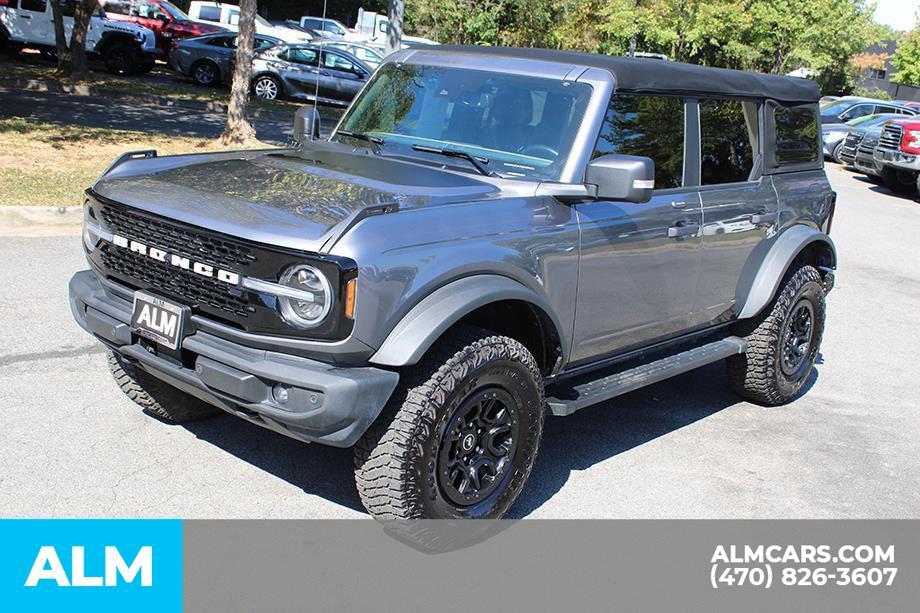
(308,307)
(834,135)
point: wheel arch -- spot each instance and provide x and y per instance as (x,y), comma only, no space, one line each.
(110,38)
(800,243)
(498,304)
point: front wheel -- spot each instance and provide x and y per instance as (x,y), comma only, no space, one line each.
(899,181)
(205,73)
(460,435)
(783,342)
(266,88)
(121,59)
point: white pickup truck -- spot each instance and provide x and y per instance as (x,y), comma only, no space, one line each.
(126,48)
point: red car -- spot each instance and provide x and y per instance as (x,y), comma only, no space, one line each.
(167,21)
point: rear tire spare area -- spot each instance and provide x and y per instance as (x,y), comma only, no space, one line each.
(783,341)
(460,434)
(155,396)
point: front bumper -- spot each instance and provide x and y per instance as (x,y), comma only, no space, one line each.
(326,404)
(866,164)
(897,159)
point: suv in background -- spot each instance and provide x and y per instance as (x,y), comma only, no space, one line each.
(490,235)
(848,108)
(898,152)
(228,16)
(166,20)
(126,48)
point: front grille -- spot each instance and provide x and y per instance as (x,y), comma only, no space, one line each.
(849,145)
(867,145)
(192,288)
(891,137)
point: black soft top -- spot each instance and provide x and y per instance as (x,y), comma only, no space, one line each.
(645,75)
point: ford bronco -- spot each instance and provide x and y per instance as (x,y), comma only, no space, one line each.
(488,236)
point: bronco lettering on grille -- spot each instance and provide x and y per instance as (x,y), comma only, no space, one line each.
(205,270)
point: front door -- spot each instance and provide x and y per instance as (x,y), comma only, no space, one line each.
(639,262)
(34,22)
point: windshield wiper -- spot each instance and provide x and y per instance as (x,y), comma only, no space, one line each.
(360,136)
(480,163)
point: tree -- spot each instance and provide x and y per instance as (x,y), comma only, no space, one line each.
(71,55)
(238,130)
(906,59)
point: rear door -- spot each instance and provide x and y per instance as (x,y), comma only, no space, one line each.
(301,71)
(33,23)
(636,284)
(739,203)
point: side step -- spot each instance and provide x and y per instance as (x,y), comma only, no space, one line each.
(565,398)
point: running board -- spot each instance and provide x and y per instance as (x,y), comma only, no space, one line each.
(567,397)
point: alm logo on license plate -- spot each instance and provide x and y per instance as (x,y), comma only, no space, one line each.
(158,320)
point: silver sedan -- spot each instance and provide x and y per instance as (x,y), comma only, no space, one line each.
(308,72)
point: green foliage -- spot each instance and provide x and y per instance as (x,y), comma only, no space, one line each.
(775,36)
(906,59)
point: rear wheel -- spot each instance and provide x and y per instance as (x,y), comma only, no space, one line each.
(899,181)
(783,341)
(205,73)
(838,149)
(121,59)
(155,396)
(266,87)
(460,435)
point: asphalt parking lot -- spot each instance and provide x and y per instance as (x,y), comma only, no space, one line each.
(71,445)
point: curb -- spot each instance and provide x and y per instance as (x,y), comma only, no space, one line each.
(81,89)
(40,220)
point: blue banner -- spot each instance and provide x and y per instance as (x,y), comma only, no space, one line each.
(91,565)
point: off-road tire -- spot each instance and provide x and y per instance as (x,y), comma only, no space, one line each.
(156,397)
(757,374)
(899,181)
(197,78)
(121,58)
(396,460)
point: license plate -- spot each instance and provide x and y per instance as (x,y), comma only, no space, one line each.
(159,320)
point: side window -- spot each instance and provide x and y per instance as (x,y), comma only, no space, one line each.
(118,7)
(648,126)
(263,43)
(209,13)
(312,24)
(233,17)
(728,140)
(34,5)
(68,8)
(337,62)
(859,110)
(302,56)
(796,133)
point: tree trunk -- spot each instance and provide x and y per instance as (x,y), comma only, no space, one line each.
(239,130)
(60,38)
(82,14)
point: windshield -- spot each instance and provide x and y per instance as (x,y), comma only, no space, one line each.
(174,11)
(835,108)
(522,126)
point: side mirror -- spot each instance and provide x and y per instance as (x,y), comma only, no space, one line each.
(306,124)
(622,177)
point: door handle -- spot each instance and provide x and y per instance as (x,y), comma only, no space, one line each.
(761,218)
(25,17)
(680,230)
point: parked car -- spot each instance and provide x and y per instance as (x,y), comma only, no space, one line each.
(490,235)
(306,72)
(898,152)
(167,21)
(208,59)
(330,28)
(851,107)
(836,136)
(914,104)
(125,48)
(863,160)
(371,56)
(228,16)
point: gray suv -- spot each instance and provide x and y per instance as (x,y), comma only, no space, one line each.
(488,236)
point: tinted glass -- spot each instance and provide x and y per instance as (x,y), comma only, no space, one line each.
(337,62)
(33,5)
(263,43)
(209,13)
(118,7)
(68,8)
(302,56)
(796,133)
(727,141)
(523,125)
(858,111)
(647,126)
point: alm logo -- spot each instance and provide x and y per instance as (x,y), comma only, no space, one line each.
(48,567)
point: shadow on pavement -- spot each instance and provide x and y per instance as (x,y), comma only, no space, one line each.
(573,443)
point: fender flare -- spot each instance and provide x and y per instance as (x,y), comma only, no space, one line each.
(109,38)
(776,262)
(417,331)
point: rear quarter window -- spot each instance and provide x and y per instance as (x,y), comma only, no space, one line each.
(796,135)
